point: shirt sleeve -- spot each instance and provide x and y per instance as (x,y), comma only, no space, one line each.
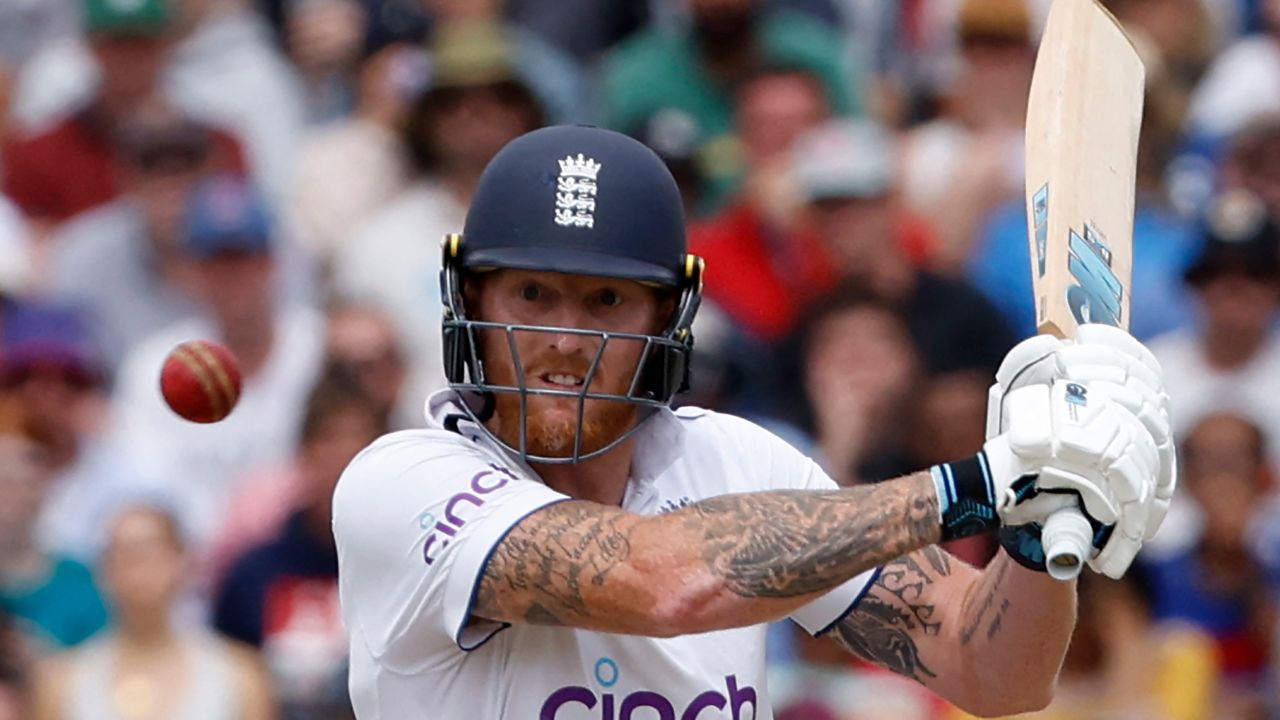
(416,517)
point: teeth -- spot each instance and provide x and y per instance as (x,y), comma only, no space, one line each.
(559,379)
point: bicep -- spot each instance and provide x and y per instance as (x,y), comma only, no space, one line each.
(909,619)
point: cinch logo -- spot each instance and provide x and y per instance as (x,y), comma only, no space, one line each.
(484,482)
(612,707)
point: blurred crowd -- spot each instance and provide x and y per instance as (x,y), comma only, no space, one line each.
(276,175)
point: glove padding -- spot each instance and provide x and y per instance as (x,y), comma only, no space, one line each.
(1069,445)
(1102,357)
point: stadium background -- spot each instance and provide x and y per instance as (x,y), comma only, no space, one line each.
(275,174)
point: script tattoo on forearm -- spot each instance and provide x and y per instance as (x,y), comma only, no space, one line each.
(886,625)
(757,554)
(539,570)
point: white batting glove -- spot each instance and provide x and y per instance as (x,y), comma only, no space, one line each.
(1067,446)
(1099,356)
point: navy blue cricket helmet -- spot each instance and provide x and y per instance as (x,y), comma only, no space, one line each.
(580,200)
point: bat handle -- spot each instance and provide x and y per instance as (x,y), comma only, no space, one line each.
(1067,539)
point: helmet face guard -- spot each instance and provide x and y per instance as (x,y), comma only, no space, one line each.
(661,371)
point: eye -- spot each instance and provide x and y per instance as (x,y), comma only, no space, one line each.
(610,298)
(531,292)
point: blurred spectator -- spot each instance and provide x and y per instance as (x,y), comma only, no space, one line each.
(1163,239)
(362,342)
(1123,663)
(1231,359)
(583,28)
(697,69)
(1180,31)
(15,271)
(764,270)
(74,165)
(847,175)
(282,596)
(53,376)
(860,369)
(53,596)
(15,691)
(324,39)
(477,101)
(1241,84)
(347,170)
(553,77)
(229,237)
(960,166)
(226,71)
(122,264)
(1252,161)
(947,419)
(146,668)
(385,22)
(1217,583)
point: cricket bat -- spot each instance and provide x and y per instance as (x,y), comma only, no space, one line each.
(1083,118)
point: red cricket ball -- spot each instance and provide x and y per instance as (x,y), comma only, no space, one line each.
(201,381)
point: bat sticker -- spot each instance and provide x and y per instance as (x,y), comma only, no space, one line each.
(1040,211)
(1096,297)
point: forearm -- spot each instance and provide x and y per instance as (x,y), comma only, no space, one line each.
(989,641)
(1016,623)
(724,562)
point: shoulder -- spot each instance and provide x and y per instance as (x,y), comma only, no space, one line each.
(416,464)
(725,437)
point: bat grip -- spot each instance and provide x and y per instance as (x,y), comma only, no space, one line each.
(1067,539)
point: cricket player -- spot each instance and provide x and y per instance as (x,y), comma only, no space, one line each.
(557,543)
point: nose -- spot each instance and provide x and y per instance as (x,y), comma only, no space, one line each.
(570,315)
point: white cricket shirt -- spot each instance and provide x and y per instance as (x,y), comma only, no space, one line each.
(418,513)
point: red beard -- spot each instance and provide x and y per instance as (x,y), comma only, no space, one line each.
(552,423)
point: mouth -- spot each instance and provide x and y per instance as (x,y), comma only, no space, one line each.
(561,381)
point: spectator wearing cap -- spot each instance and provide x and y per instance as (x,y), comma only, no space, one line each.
(1230,359)
(847,175)
(74,165)
(229,238)
(53,597)
(967,161)
(123,263)
(53,379)
(475,103)
(698,68)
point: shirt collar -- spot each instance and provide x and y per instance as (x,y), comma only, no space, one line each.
(658,443)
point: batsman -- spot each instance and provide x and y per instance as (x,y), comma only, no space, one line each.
(558,543)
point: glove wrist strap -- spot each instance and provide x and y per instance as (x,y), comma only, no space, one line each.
(966,497)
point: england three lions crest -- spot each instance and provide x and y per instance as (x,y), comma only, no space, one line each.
(576,192)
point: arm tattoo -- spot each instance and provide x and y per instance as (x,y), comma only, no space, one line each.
(888,622)
(785,544)
(538,571)
(988,593)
